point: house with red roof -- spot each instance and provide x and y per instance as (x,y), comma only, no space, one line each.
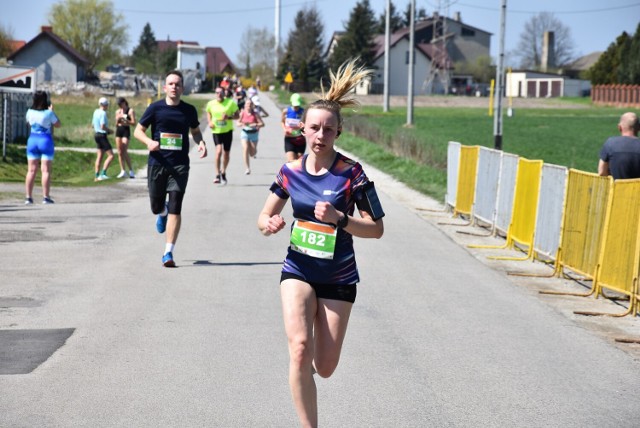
(216,60)
(54,59)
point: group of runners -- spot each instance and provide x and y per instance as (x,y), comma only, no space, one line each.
(319,274)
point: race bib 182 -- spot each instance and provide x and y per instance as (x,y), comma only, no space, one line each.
(313,239)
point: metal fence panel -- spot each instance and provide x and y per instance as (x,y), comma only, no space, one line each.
(486,195)
(16,105)
(506,189)
(453,163)
(549,221)
(618,256)
(583,221)
(467,172)
(525,202)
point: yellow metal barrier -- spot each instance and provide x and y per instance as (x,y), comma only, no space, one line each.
(525,205)
(619,258)
(587,198)
(467,170)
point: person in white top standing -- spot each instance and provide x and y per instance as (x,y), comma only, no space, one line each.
(40,149)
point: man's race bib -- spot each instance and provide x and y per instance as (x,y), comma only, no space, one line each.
(314,239)
(294,125)
(169,141)
(221,123)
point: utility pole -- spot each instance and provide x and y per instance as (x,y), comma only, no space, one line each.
(277,38)
(387,43)
(497,116)
(412,27)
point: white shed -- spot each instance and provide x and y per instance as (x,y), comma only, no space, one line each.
(534,84)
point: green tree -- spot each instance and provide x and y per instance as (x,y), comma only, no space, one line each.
(358,38)
(395,21)
(420,14)
(529,48)
(145,55)
(605,70)
(305,49)
(629,70)
(91,26)
(166,60)
(624,67)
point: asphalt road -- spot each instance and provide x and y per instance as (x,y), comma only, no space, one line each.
(94,332)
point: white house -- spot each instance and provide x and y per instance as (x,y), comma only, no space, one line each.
(440,42)
(399,69)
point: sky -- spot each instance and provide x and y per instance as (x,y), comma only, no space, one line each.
(594,24)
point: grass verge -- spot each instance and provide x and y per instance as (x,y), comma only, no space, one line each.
(70,168)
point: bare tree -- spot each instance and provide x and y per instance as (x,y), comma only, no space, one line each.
(256,52)
(6,35)
(529,48)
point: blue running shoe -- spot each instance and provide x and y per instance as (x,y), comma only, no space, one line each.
(161,222)
(167,260)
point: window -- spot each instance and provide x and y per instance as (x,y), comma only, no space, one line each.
(406,58)
(468,32)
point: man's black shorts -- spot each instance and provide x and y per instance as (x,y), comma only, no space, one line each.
(102,142)
(162,179)
(225,139)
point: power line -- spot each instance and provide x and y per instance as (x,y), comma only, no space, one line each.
(562,12)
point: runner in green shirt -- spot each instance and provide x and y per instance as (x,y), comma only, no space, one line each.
(221,112)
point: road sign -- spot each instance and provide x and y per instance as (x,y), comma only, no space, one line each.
(17,79)
(288,78)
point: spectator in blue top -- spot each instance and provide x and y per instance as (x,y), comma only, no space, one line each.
(41,120)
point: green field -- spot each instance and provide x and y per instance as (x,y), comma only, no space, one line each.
(566,136)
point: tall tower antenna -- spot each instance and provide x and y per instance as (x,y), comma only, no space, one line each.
(439,71)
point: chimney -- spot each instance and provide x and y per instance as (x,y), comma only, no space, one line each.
(456,17)
(548,60)
(46,29)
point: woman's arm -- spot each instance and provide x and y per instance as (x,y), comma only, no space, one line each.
(270,221)
(58,124)
(363,227)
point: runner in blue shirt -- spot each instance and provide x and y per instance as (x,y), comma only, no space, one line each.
(319,276)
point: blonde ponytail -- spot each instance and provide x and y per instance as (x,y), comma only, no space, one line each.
(343,81)
(339,95)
